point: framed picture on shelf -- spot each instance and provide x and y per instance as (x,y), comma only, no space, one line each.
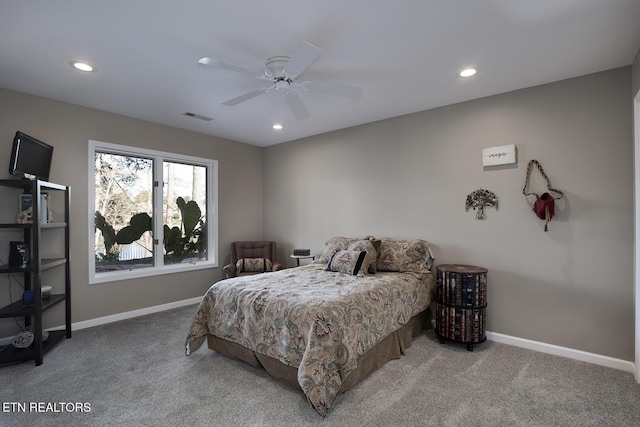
(25,202)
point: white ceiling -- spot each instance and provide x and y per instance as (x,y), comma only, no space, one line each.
(404,54)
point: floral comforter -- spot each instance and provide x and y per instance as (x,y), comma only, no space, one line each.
(316,320)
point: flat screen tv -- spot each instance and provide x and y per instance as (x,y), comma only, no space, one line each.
(30,158)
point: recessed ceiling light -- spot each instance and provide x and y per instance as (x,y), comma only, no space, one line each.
(82,66)
(277,126)
(467,72)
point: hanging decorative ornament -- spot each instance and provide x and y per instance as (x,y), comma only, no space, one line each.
(479,199)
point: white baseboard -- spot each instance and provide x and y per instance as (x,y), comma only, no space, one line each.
(131,314)
(120,316)
(570,353)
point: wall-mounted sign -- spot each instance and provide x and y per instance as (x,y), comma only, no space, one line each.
(503,155)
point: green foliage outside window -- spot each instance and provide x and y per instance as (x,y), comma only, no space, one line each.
(186,241)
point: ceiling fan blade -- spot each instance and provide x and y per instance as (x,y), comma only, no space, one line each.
(304,54)
(247,96)
(297,107)
(345,91)
(217,63)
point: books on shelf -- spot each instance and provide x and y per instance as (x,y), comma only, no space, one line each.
(43,208)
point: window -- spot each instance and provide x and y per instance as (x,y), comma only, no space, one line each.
(152,212)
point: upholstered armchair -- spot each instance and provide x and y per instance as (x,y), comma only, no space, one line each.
(252,257)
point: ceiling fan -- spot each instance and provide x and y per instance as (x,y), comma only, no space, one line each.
(283,73)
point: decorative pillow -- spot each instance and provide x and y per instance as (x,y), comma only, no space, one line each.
(254,265)
(369,264)
(349,262)
(404,255)
(376,244)
(332,245)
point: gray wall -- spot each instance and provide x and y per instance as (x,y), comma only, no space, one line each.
(408,177)
(68,128)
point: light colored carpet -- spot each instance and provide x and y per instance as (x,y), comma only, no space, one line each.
(135,373)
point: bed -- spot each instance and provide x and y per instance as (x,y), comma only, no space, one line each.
(324,326)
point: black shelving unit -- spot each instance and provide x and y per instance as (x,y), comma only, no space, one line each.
(33,271)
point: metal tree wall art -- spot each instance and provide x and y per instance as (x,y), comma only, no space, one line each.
(479,199)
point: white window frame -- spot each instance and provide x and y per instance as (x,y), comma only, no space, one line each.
(159,267)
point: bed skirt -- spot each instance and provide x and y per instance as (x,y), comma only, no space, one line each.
(392,347)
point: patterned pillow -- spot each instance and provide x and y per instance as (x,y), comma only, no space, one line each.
(349,262)
(404,255)
(369,264)
(254,265)
(332,245)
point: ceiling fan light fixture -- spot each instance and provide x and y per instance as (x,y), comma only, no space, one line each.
(468,72)
(274,67)
(282,84)
(82,66)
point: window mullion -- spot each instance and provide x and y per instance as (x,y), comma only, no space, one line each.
(158,234)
